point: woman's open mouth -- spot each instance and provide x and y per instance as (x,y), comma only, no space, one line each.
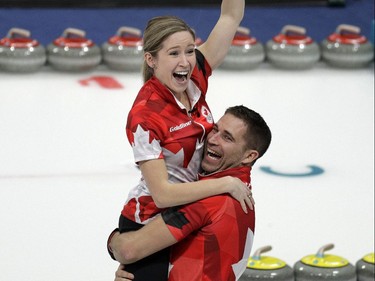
(181,76)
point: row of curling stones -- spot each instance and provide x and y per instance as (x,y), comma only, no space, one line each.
(320,266)
(294,49)
(71,52)
(291,49)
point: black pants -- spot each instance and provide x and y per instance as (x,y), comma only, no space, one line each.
(151,268)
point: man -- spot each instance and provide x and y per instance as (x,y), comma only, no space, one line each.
(214,235)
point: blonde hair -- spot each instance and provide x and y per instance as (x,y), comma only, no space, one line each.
(157,30)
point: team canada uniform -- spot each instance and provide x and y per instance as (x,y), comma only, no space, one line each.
(160,127)
(215,236)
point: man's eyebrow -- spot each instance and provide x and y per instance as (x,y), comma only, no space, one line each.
(226,132)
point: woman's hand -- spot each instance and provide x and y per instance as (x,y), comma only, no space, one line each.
(242,193)
(122,275)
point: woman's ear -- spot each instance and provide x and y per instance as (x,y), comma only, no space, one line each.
(149,59)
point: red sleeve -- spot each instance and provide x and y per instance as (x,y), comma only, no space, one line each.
(181,221)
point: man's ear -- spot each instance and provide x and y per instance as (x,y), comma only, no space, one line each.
(149,60)
(250,156)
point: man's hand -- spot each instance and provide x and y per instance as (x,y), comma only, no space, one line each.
(122,275)
(242,193)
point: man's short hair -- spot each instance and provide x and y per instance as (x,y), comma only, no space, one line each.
(258,135)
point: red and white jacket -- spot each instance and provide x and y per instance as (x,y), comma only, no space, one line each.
(160,127)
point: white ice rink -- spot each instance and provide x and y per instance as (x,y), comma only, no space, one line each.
(66,166)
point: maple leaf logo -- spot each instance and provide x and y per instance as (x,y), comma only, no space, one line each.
(141,144)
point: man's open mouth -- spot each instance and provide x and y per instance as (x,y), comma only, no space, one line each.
(212,154)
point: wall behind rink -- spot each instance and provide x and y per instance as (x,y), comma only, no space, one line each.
(266,21)
(127,3)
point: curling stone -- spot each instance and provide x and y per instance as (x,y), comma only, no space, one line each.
(124,51)
(365,268)
(347,48)
(20,53)
(292,49)
(324,267)
(245,53)
(266,268)
(72,51)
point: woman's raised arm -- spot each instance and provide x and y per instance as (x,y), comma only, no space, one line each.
(220,39)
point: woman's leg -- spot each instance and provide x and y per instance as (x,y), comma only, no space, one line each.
(153,267)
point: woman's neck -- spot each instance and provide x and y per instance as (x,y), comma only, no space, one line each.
(184,99)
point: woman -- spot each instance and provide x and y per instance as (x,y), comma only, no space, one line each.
(169,121)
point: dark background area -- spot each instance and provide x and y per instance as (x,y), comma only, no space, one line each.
(101,19)
(149,3)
